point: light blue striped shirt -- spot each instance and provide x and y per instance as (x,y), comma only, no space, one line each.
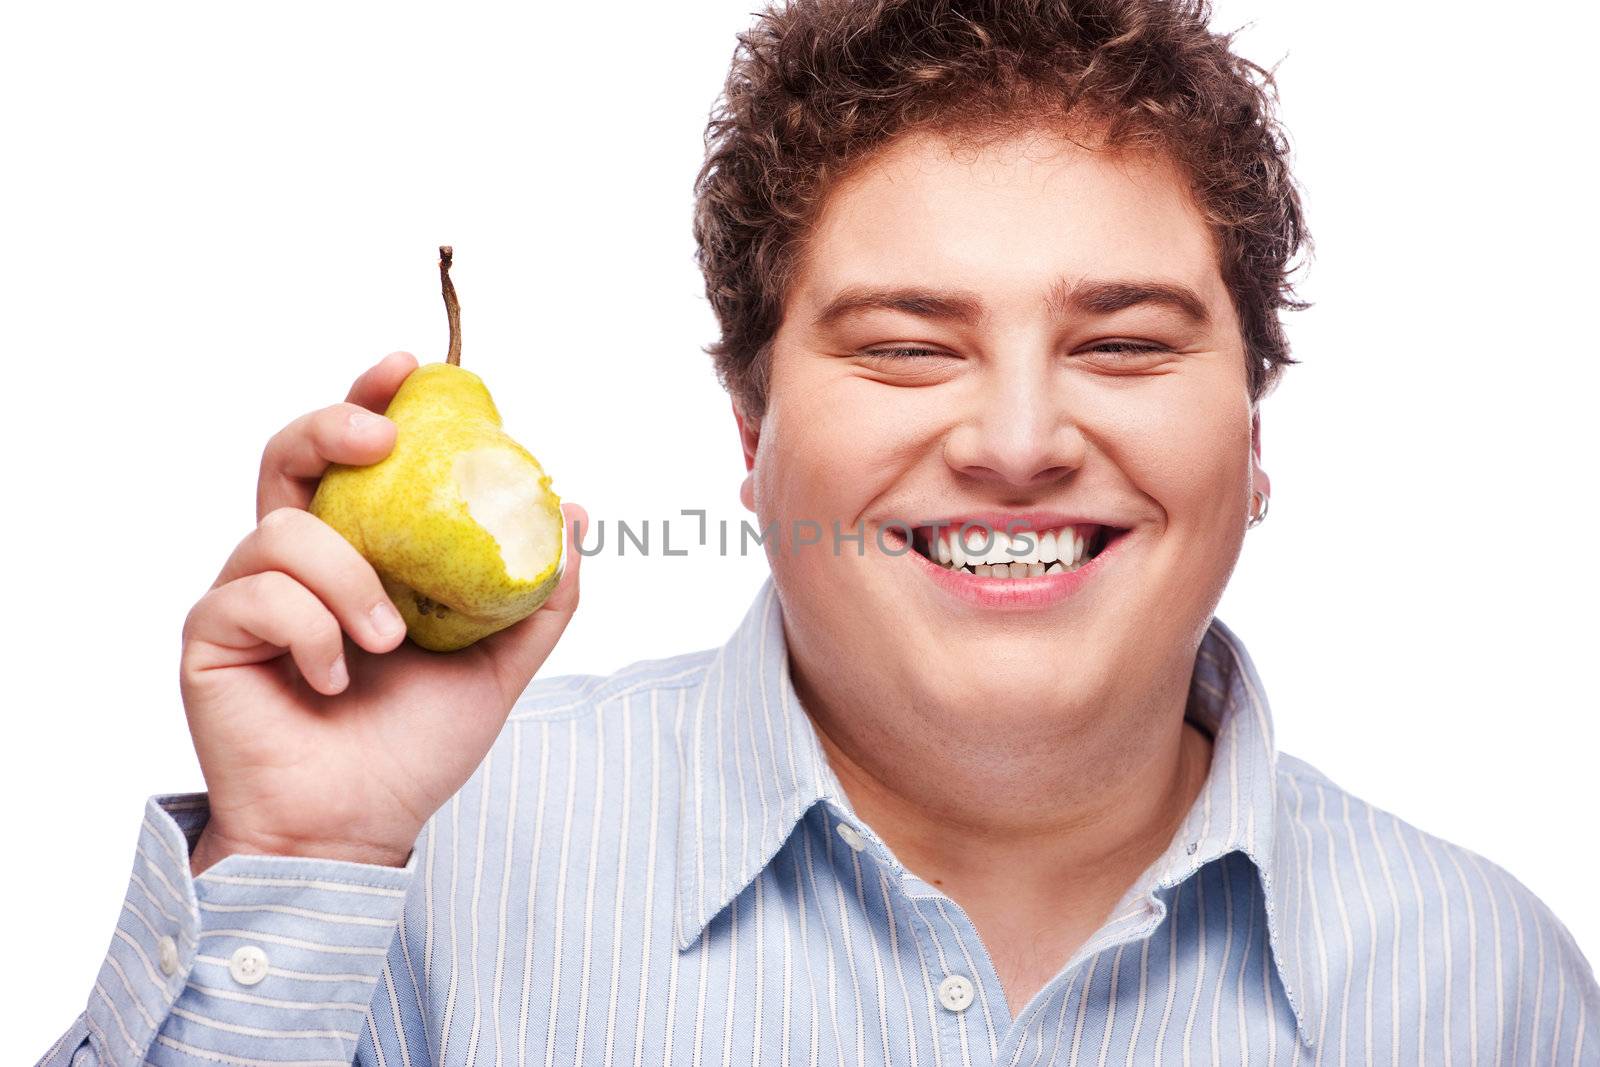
(660,866)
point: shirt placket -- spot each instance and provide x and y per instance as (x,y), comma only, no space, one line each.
(964,996)
(1053,1018)
(960,987)
(968,1000)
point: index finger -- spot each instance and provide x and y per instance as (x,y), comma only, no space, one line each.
(295,459)
(377,384)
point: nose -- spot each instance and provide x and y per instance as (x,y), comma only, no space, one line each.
(1016,431)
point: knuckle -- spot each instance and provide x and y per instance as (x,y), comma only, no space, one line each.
(266,588)
(191,621)
(278,444)
(323,631)
(273,446)
(279,520)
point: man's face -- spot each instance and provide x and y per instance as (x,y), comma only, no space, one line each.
(1059,349)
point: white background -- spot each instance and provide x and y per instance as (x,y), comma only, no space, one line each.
(218,215)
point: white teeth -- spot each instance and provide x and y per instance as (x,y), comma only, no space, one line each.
(1000,551)
(1027,553)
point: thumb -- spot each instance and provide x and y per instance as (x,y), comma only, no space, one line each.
(520,650)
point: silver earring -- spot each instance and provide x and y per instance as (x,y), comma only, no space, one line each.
(1256,516)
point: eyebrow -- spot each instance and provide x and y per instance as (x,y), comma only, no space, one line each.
(1063,299)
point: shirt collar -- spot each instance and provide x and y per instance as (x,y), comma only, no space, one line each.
(754,767)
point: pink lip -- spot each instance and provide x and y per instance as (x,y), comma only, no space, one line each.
(1016,594)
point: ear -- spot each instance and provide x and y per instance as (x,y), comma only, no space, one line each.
(1258,475)
(749,438)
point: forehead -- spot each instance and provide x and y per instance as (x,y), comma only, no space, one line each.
(1011,216)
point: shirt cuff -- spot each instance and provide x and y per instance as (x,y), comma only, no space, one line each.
(267,958)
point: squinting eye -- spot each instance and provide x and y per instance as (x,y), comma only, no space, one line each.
(902,353)
(1127,348)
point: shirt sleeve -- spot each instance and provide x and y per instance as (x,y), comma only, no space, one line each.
(260,960)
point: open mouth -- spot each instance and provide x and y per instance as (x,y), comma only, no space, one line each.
(983,552)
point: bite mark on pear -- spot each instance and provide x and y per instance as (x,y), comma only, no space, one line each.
(502,498)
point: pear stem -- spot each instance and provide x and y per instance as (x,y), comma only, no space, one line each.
(451,306)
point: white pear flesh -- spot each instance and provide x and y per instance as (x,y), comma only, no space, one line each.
(504,496)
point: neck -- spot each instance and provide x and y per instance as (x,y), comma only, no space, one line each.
(1043,827)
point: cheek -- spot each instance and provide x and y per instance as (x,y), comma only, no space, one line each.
(829,444)
(1187,447)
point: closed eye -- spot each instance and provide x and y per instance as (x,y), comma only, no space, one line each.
(1127,347)
(1110,347)
(908,352)
(1121,356)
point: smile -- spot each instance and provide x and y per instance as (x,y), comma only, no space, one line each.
(1008,562)
(996,555)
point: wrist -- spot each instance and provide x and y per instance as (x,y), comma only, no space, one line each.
(215,845)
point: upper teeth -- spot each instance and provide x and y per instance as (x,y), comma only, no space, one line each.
(1026,553)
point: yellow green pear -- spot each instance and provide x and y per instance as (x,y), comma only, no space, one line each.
(458,520)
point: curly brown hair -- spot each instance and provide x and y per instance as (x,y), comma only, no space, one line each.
(817,86)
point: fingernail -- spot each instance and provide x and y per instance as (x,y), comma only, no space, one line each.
(363,420)
(339,674)
(386,620)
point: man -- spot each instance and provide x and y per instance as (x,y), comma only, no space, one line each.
(979,778)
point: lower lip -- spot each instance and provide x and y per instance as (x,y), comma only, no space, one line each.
(1016,594)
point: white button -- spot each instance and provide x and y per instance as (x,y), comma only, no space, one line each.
(167,952)
(955,992)
(248,966)
(852,836)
